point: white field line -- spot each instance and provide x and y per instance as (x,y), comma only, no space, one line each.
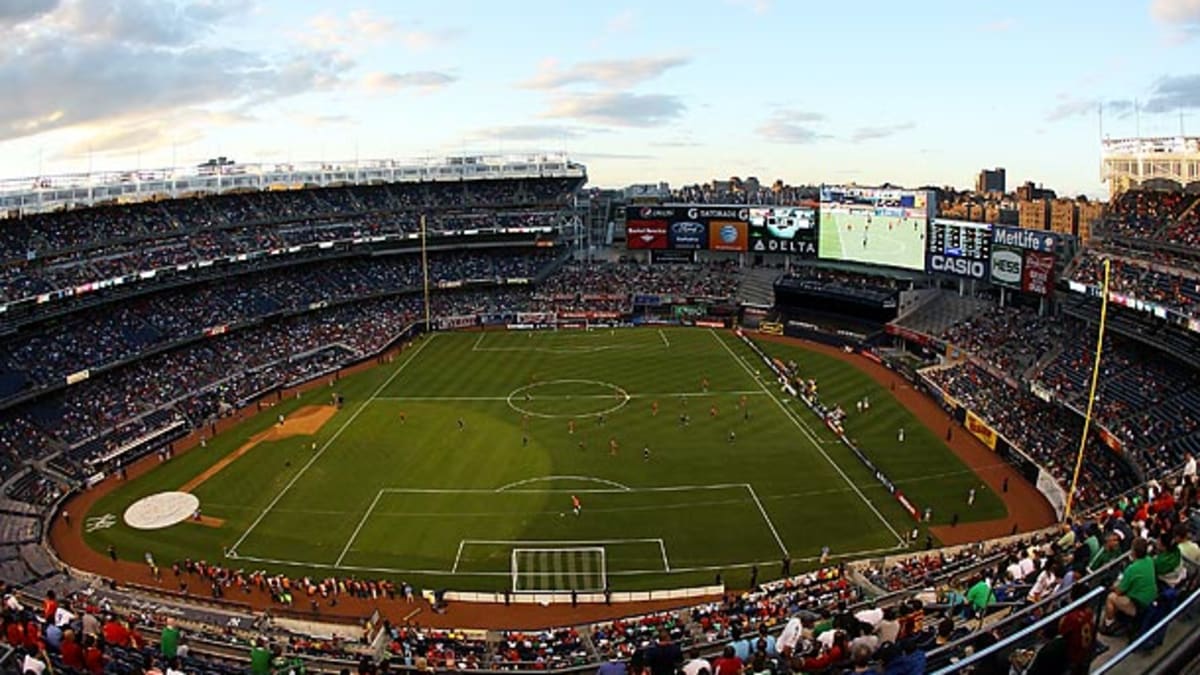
(458,556)
(849,555)
(808,434)
(622,488)
(543,479)
(666,561)
(478,341)
(661,334)
(763,511)
(317,455)
(354,534)
(568,397)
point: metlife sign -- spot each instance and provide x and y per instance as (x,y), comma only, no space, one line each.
(1029,240)
(937,263)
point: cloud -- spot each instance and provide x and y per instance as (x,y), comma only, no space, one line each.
(356,29)
(627,157)
(152,132)
(1174,93)
(531,132)
(145,22)
(127,67)
(1182,17)
(621,109)
(423,40)
(792,126)
(1068,107)
(426,80)
(611,73)
(875,133)
(13,12)
(757,6)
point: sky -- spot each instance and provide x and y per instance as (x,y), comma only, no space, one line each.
(914,93)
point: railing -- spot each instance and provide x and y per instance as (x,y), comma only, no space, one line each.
(1147,634)
(1011,640)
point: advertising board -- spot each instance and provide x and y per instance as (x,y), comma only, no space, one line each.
(784,229)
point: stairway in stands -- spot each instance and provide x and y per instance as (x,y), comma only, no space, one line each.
(937,313)
(757,286)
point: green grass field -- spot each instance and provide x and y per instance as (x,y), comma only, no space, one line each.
(421,500)
(903,245)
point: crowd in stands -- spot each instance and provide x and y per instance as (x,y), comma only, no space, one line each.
(1045,431)
(1147,278)
(93,338)
(45,252)
(743,193)
(612,285)
(837,282)
(1010,338)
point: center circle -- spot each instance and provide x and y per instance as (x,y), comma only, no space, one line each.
(568,398)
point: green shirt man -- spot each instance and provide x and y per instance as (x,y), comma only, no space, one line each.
(170,639)
(980,595)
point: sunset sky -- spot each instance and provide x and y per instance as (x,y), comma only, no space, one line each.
(912,93)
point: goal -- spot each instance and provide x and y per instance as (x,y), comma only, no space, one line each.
(580,569)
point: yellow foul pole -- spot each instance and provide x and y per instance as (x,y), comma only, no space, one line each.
(1087,419)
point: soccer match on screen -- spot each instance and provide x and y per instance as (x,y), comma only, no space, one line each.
(732,337)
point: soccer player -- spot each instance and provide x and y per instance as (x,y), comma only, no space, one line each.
(712,411)
(971,497)
(524,440)
(704,384)
(462,424)
(900,435)
(654,408)
(576,506)
(612,447)
(646,454)
(732,436)
(403,417)
(571,427)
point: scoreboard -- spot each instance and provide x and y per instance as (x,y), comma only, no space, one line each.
(959,248)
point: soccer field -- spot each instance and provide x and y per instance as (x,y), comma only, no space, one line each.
(886,240)
(457,462)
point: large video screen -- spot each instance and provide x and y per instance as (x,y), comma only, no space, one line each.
(784,229)
(877,226)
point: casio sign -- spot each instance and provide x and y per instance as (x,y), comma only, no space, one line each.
(960,266)
(1006,267)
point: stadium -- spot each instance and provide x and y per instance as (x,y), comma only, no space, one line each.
(480,411)
(403,413)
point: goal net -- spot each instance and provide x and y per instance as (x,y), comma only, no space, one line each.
(559,570)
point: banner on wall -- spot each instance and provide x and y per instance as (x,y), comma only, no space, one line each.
(981,430)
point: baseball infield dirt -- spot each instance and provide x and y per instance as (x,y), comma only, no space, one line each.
(305,421)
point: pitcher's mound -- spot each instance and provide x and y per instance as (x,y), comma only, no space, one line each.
(161,510)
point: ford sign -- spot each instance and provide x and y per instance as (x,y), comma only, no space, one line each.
(688,227)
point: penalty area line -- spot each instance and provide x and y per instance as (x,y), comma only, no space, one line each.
(661,334)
